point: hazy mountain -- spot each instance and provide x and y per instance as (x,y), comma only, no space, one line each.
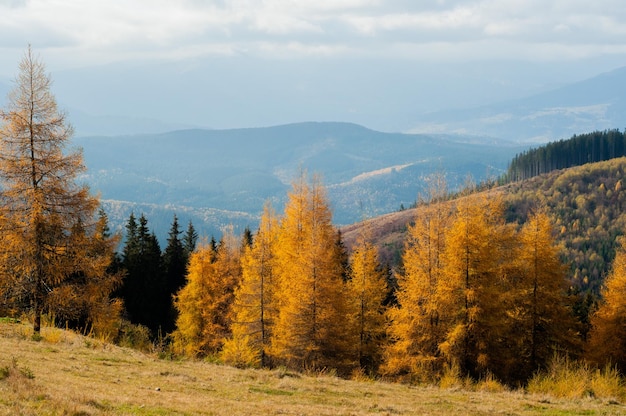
(595,104)
(222,177)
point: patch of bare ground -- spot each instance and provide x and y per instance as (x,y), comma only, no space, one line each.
(67,374)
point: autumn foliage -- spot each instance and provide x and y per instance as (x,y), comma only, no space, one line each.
(607,345)
(475,295)
(55,255)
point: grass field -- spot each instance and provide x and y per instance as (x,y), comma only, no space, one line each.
(67,374)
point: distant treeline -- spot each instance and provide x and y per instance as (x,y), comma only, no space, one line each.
(580,149)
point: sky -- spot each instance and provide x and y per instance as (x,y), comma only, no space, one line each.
(244,63)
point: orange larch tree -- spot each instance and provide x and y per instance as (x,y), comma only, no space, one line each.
(543,320)
(421,320)
(366,292)
(475,284)
(607,343)
(310,328)
(43,208)
(204,304)
(254,305)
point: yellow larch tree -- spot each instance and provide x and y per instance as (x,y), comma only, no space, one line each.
(366,293)
(607,342)
(543,322)
(254,305)
(420,321)
(42,206)
(204,304)
(310,328)
(475,285)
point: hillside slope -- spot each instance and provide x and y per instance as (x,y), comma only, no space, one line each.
(588,204)
(67,374)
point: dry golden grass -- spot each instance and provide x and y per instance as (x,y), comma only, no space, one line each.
(67,374)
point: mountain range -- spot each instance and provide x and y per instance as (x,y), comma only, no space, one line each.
(221,177)
(597,103)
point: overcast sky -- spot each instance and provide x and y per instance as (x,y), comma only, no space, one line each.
(589,35)
(84,32)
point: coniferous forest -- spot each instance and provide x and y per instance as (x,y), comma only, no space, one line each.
(494,283)
(578,150)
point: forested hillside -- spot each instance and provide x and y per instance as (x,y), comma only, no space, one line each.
(586,203)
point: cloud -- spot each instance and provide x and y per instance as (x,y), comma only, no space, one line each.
(78,32)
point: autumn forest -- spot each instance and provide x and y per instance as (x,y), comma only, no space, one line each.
(494,280)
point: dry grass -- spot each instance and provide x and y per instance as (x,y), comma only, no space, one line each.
(67,374)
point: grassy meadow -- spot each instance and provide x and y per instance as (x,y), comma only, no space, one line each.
(64,373)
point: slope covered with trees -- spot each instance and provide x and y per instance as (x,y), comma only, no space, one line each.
(587,205)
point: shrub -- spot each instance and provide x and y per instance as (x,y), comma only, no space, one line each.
(134,336)
(490,384)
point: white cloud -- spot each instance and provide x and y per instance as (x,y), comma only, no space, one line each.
(80,31)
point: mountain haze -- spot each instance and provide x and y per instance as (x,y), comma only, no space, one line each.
(219,177)
(597,103)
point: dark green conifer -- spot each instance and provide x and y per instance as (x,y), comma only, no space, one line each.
(144,286)
(174,262)
(190,239)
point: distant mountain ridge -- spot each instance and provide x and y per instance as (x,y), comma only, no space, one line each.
(231,173)
(597,103)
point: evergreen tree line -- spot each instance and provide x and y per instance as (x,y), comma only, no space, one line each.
(578,150)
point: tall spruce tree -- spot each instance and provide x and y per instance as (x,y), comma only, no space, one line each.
(174,263)
(144,284)
(190,240)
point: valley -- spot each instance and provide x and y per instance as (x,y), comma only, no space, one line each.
(220,177)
